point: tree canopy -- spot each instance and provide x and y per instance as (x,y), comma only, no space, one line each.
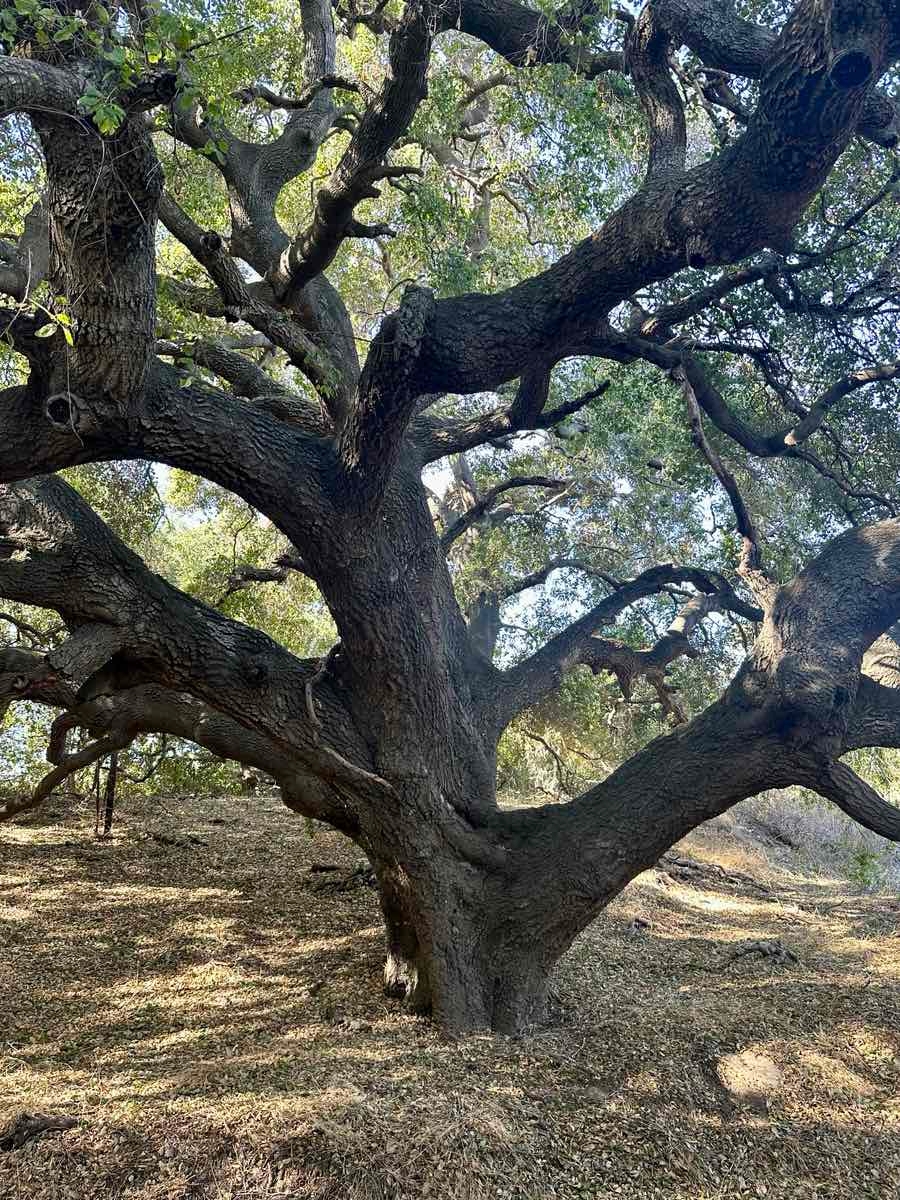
(400,362)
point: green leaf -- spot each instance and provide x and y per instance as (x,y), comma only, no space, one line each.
(47,330)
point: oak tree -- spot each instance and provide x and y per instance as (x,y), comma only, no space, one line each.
(344,262)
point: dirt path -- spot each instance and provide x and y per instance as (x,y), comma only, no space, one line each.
(208,1010)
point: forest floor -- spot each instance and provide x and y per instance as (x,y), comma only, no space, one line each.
(207,1009)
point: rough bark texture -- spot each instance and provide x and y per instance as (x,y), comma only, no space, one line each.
(392,737)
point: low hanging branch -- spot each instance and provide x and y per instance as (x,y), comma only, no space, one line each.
(69,765)
(842,786)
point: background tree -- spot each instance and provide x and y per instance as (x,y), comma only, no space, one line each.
(358,269)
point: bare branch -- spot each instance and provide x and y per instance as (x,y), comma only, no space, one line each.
(850,383)
(486,502)
(240,304)
(537,676)
(362,164)
(750,567)
(69,765)
(536,578)
(245,576)
(259,91)
(437,439)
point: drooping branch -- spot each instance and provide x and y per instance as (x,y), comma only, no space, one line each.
(842,786)
(687,367)
(122,716)
(75,565)
(68,766)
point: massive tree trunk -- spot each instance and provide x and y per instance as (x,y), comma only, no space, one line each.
(392,737)
(479,902)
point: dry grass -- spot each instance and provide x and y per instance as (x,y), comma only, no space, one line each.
(819,839)
(216,1026)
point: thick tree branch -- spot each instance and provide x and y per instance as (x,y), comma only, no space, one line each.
(371,437)
(525,36)
(121,716)
(748,197)
(842,786)
(24,265)
(875,719)
(28,86)
(362,165)
(542,673)
(647,58)
(724,40)
(784,720)
(876,716)
(75,565)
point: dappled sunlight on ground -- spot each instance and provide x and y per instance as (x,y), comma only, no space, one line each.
(212,1016)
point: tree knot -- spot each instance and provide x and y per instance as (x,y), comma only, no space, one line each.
(65,410)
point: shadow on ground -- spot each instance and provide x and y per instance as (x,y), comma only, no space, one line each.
(215,1023)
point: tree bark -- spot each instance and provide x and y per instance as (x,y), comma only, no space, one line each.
(392,737)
